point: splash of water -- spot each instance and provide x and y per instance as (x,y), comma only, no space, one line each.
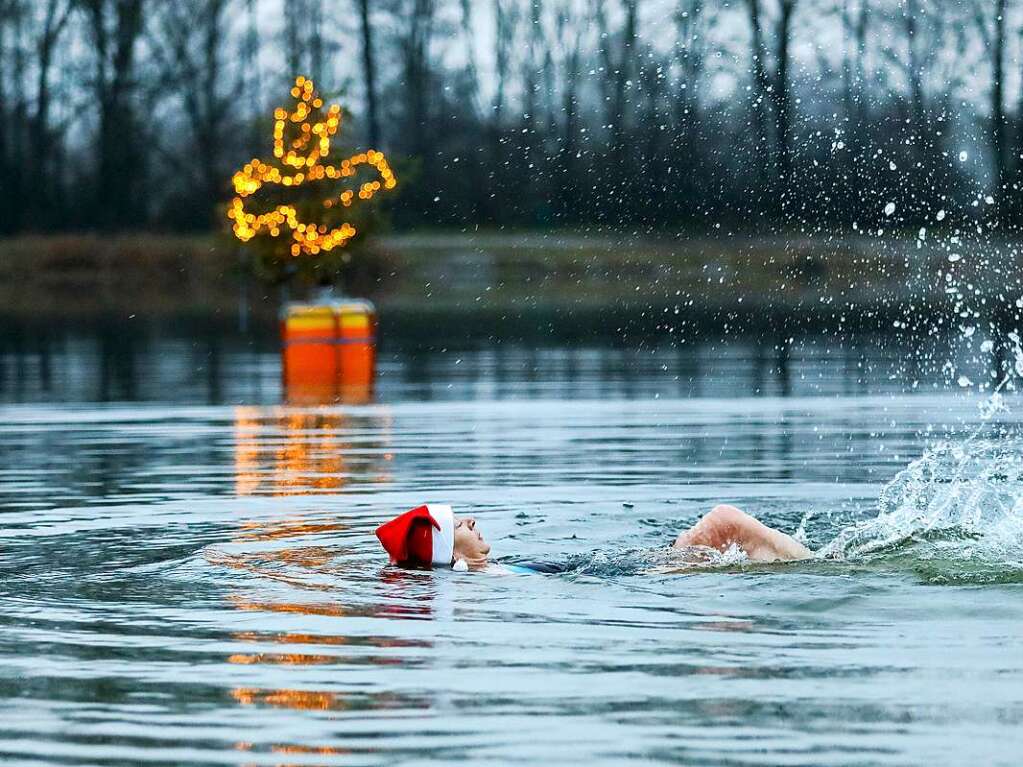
(954,515)
(957,512)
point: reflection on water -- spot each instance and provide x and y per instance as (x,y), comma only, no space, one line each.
(287,451)
(212,364)
(188,572)
(324,701)
(290,451)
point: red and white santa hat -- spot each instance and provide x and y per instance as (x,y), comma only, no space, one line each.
(424,535)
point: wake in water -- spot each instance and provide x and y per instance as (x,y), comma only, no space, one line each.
(647,561)
(955,515)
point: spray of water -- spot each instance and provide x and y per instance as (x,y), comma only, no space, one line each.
(955,515)
(958,505)
(956,512)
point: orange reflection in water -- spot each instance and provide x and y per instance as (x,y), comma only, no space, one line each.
(301,608)
(319,393)
(288,451)
(294,749)
(286,528)
(329,640)
(302,700)
(291,451)
(323,700)
(281,564)
(423,610)
(280,659)
(291,638)
(318,700)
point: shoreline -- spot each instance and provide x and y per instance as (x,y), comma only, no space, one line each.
(523,281)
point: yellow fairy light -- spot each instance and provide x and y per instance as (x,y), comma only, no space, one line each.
(301,164)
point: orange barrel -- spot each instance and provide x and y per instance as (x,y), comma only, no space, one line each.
(329,351)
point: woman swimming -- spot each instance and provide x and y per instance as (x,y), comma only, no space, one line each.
(433,535)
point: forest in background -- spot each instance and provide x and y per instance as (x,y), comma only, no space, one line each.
(816,115)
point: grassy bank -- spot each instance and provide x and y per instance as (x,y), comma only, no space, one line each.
(740,279)
(75,275)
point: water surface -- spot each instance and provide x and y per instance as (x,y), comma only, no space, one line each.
(188,573)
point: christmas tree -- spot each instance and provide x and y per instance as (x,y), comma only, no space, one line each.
(300,210)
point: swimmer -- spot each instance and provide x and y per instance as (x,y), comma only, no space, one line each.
(432,535)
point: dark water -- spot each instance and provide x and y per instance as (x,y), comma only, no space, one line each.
(188,573)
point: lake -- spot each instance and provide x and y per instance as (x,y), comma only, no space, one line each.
(189,575)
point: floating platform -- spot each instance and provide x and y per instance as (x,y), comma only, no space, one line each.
(328,351)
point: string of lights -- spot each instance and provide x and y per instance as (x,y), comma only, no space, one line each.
(301,148)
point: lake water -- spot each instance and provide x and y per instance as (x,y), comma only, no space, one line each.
(189,575)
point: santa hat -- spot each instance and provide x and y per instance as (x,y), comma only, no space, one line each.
(424,536)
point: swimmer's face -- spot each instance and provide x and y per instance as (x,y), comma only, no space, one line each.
(469,543)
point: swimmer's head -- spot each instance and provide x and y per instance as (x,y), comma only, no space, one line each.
(433,535)
(469,543)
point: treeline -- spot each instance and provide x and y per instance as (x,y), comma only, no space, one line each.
(132,114)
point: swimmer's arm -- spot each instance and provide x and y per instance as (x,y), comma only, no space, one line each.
(725,526)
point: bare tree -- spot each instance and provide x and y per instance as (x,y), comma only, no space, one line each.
(690,52)
(56,14)
(620,70)
(369,72)
(924,68)
(7,223)
(294,42)
(693,18)
(925,33)
(414,40)
(316,43)
(855,19)
(580,110)
(303,39)
(114,28)
(914,55)
(569,30)
(991,25)
(504,21)
(250,75)
(13,114)
(539,75)
(194,33)
(771,38)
